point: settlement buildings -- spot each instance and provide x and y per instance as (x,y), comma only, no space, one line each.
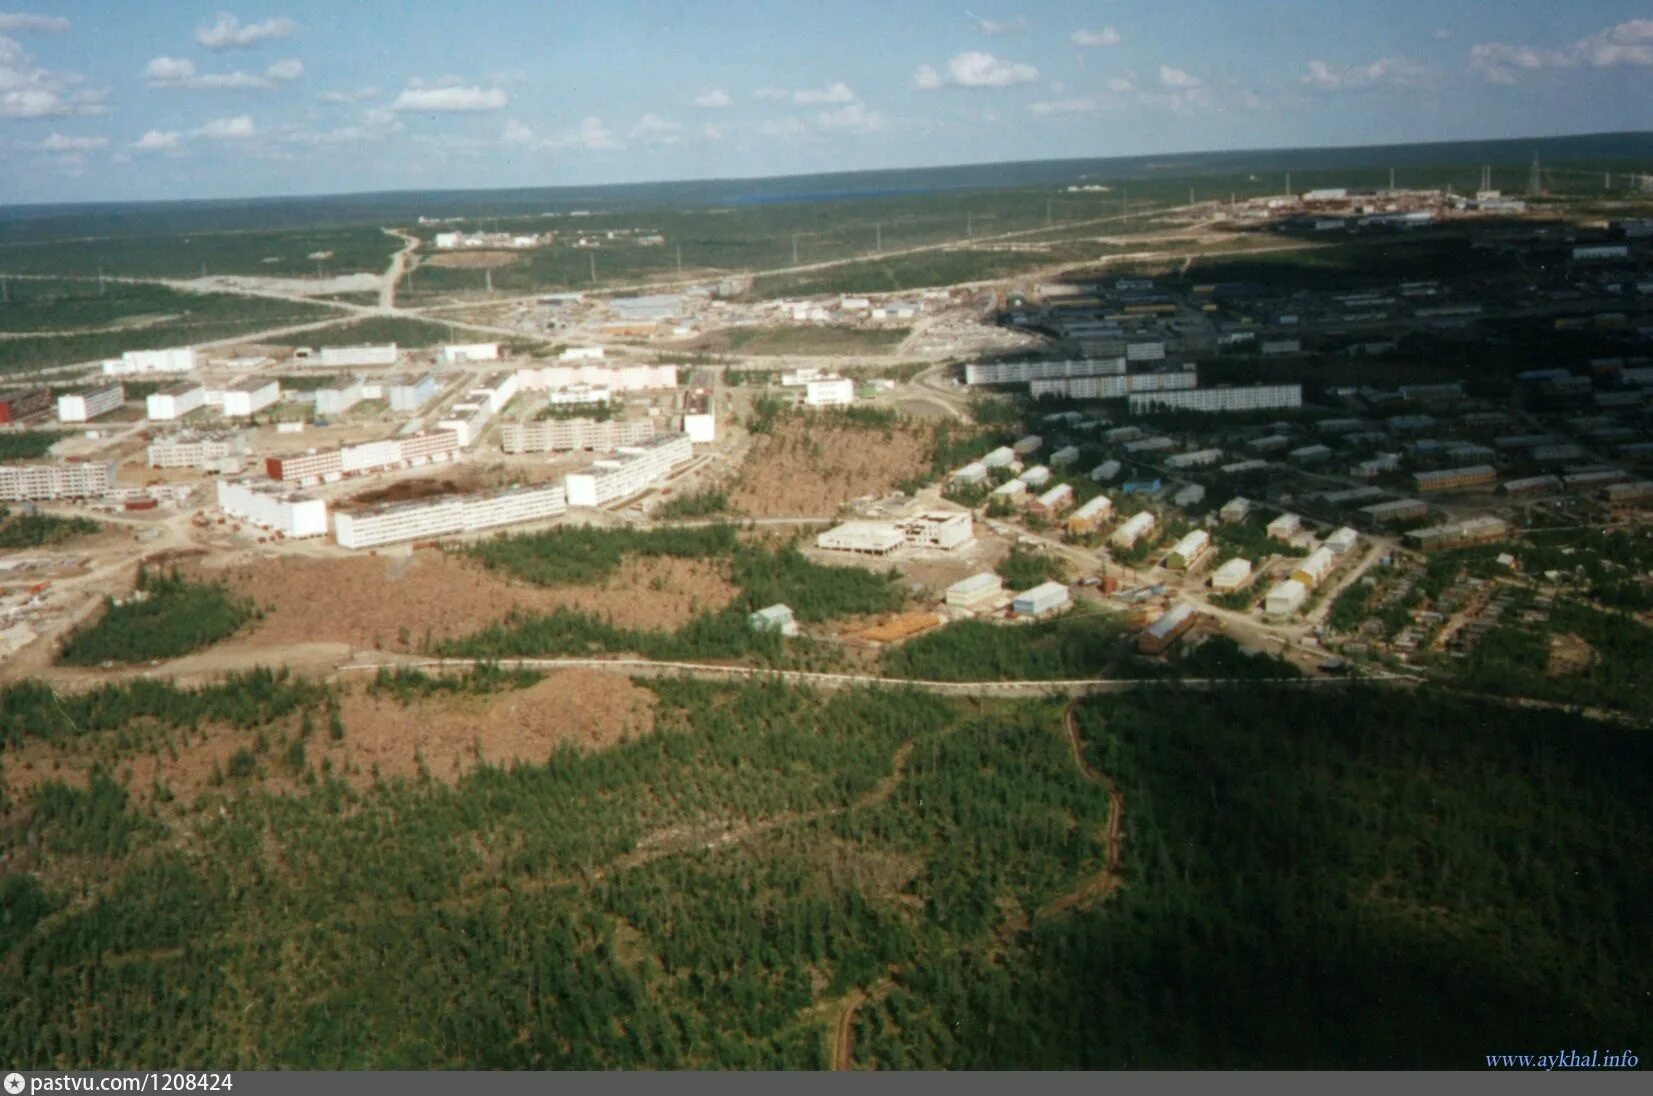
(449,514)
(88,403)
(30,482)
(632,469)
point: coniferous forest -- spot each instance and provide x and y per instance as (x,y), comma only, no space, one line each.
(782,878)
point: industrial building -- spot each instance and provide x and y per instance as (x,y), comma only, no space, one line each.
(89,403)
(1086,519)
(1312,570)
(1158,637)
(1133,530)
(39,482)
(24,403)
(1045,598)
(632,469)
(1284,527)
(774,618)
(408,394)
(364,458)
(250,396)
(1285,598)
(1230,576)
(1453,479)
(976,591)
(1188,550)
(458,353)
(558,435)
(939,530)
(866,538)
(1397,510)
(346,357)
(1457,534)
(449,514)
(176,402)
(177,359)
(1219,400)
(1053,501)
(273,506)
(220,453)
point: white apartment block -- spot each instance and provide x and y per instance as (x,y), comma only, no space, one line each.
(701,428)
(328,465)
(1025,372)
(250,396)
(576,395)
(89,403)
(619,378)
(557,435)
(454,514)
(178,359)
(337,399)
(211,453)
(631,470)
(30,482)
(347,356)
(176,402)
(407,394)
(1256,397)
(271,505)
(495,391)
(1115,387)
(829,392)
(455,353)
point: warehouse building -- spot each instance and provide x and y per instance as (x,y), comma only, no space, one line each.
(866,538)
(1188,550)
(177,359)
(89,403)
(829,392)
(1395,511)
(1285,598)
(41,482)
(24,403)
(273,506)
(427,518)
(353,356)
(975,592)
(1088,517)
(250,396)
(1219,400)
(1454,479)
(1312,570)
(458,353)
(1158,637)
(938,530)
(176,402)
(1230,576)
(1133,530)
(218,453)
(559,435)
(1046,598)
(409,394)
(632,469)
(1458,534)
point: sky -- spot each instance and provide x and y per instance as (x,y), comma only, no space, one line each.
(118,101)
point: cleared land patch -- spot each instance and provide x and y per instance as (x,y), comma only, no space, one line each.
(812,466)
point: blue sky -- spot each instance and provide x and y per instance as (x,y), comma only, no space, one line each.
(117,100)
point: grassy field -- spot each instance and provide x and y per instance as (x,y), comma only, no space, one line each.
(803,340)
(1327,879)
(402,331)
(189,254)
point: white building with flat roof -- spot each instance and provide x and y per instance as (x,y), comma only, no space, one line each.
(275,506)
(1257,397)
(409,394)
(250,396)
(177,359)
(32,482)
(632,469)
(867,538)
(455,353)
(336,399)
(446,515)
(561,435)
(829,392)
(220,453)
(352,356)
(618,378)
(175,402)
(940,530)
(88,403)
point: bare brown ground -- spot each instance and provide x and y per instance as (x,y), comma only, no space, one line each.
(408,490)
(367,601)
(472,260)
(1569,654)
(808,469)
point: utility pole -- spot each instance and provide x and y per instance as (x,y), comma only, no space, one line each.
(1190,195)
(1391,178)
(488,279)
(593,257)
(1288,184)
(680,258)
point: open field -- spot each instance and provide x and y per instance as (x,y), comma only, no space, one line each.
(402,330)
(810,465)
(191,254)
(802,340)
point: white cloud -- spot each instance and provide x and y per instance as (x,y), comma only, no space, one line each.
(594,135)
(360,95)
(229,32)
(1628,43)
(712,133)
(926,78)
(835,92)
(787,128)
(655,130)
(516,133)
(1384,72)
(168,70)
(998,26)
(28,91)
(975,69)
(854,118)
(1120,85)
(717,97)
(238,128)
(158,140)
(1178,78)
(342,135)
(1107,36)
(290,69)
(450,99)
(22,20)
(771,94)
(1063,106)
(57,142)
(179,72)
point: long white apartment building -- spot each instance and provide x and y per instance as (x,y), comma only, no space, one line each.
(409,394)
(444,516)
(470,417)
(336,399)
(250,396)
(618,378)
(632,469)
(557,435)
(455,353)
(177,359)
(175,402)
(1025,372)
(31,482)
(327,465)
(577,394)
(89,403)
(1256,397)
(351,356)
(275,506)
(221,453)
(1118,387)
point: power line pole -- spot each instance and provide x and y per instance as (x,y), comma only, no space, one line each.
(488,279)
(1391,178)
(680,258)
(593,257)
(1288,184)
